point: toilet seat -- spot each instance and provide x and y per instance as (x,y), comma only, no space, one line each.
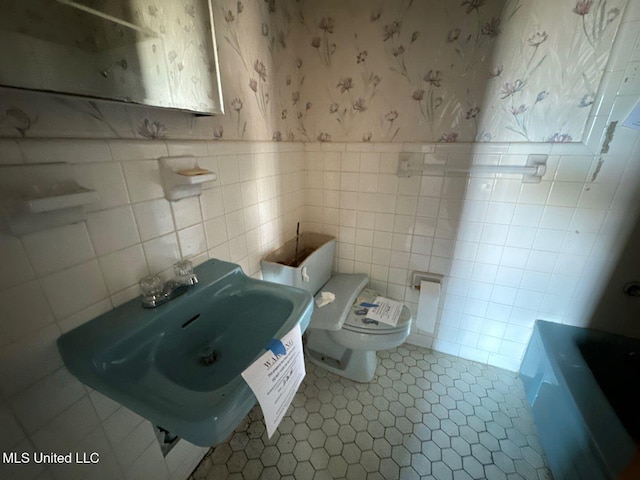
(346,288)
(357,322)
(360,324)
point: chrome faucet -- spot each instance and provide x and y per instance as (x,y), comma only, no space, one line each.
(154,293)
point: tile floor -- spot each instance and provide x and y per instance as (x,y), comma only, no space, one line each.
(425,415)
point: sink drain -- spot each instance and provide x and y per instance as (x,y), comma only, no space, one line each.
(209,357)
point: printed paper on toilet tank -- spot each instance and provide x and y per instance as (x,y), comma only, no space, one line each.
(275,377)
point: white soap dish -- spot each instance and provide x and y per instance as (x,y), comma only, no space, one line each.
(182,177)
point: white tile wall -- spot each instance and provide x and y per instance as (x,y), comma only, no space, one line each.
(123,268)
(510,252)
(74,289)
(57,279)
(58,248)
(24,310)
(16,267)
(107,179)
(154,218)
(60,389)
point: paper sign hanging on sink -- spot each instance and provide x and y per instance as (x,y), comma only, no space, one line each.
(275,377)
(633,120)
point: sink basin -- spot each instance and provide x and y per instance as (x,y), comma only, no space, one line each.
(179,364)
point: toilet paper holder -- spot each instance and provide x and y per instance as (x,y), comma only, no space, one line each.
(418,277)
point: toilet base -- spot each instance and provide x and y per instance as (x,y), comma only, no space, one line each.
(357,365)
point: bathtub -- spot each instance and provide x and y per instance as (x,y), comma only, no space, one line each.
(580,385)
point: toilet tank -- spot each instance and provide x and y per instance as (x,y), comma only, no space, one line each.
(303,262)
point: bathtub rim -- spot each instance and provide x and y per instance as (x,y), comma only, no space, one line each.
(560,343)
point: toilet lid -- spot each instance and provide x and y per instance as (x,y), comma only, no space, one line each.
(357,321)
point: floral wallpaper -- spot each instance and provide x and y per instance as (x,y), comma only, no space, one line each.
(374,70)
(464,70)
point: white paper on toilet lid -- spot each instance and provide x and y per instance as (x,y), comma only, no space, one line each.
(387,311)
(274,378)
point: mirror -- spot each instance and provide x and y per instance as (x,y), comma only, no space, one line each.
(160,53)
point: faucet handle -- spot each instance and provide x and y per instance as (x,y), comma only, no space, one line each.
(184,272)
(151,286)
(183,268)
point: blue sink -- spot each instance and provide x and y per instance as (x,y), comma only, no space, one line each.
(179,364)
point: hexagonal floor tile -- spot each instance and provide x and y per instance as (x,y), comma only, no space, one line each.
(425,414)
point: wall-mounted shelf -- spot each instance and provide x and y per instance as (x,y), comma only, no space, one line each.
(58,197)
(182,177)
(41,196)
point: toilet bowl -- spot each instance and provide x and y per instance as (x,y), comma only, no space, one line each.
(351,350)
(339,338)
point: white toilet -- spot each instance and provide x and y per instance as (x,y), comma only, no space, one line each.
(340,338)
